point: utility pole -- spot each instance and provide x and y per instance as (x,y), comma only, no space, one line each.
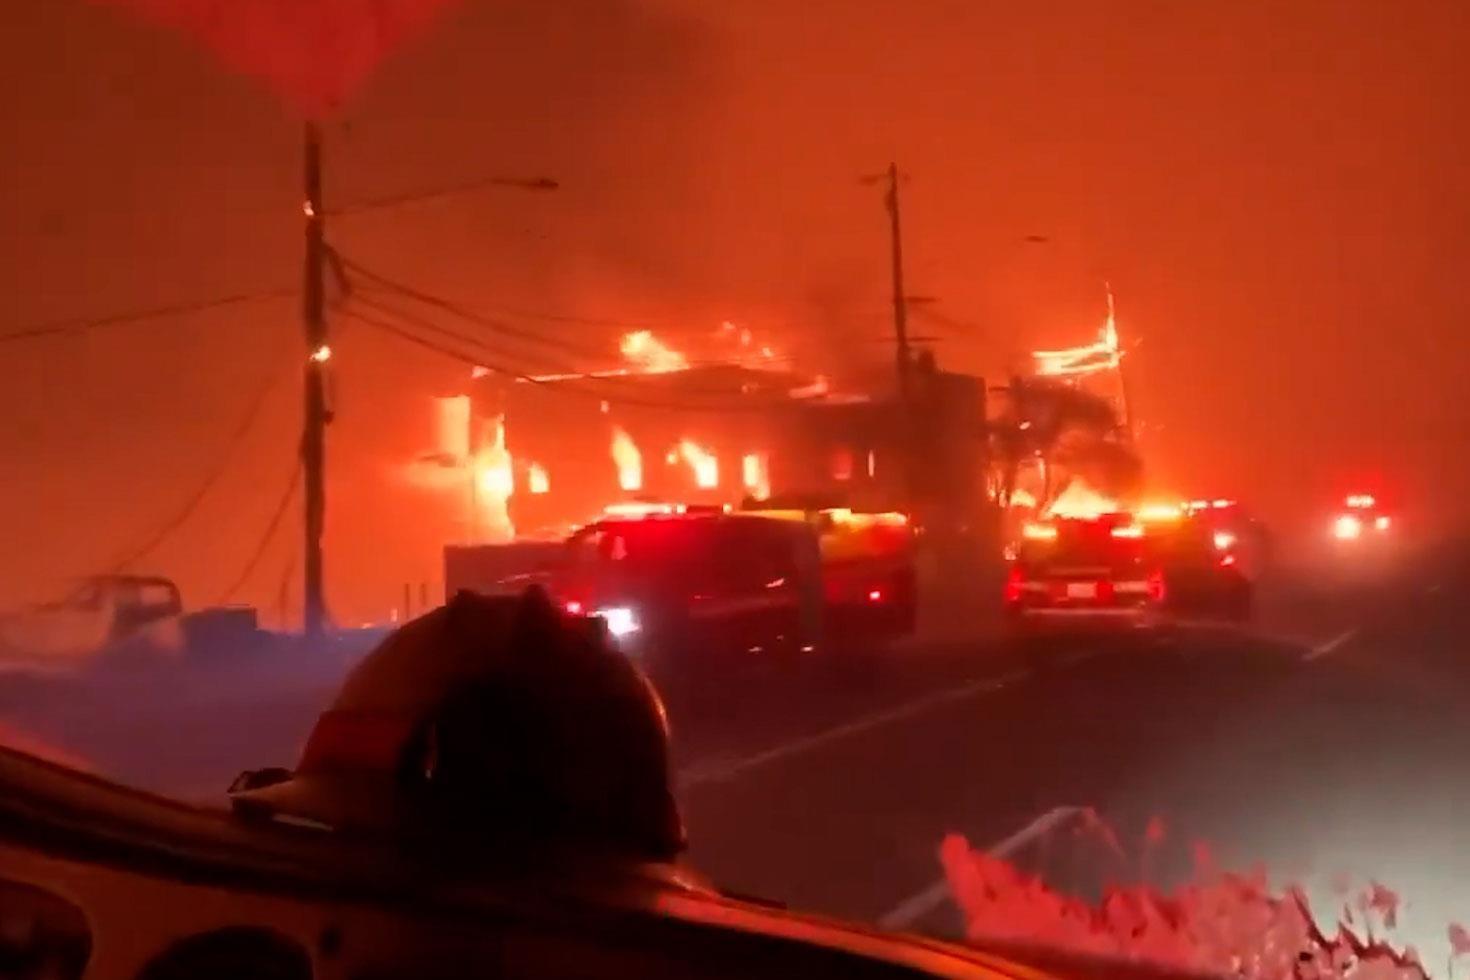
(900,303)
(318,353)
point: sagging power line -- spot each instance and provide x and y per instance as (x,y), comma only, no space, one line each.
(212,477)
(562,386)
(266,537)
(73,325)
(487,315)
(457,309)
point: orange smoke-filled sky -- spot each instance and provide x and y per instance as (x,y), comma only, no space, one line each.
(1276,192)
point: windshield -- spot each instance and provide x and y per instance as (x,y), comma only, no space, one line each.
(1021,444)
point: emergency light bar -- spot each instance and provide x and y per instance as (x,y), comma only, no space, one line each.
(663,510)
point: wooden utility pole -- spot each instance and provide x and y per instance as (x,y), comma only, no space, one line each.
(900,303)
(318,353)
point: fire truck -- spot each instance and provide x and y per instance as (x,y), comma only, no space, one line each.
(672,582)
(669,579)
(1134,568)
(869,577)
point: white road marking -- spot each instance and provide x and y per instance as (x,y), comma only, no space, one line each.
(921,903)
(721,770)
(1327,646)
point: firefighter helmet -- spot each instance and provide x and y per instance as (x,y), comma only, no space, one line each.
(494,719)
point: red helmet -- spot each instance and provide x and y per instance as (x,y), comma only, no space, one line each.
(493,720)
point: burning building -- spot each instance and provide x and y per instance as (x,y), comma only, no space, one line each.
(666,429)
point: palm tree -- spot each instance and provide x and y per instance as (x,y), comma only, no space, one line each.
(1069,432)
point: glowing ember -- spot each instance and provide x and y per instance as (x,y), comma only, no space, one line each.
(494,476)
(537,479)
(649,354)
(628,460)
(1103,355)
(1082,501)
(702,463)
(755,474)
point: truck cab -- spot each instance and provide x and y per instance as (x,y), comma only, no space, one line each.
(679,582)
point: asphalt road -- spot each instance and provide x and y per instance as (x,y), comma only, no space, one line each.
(1327,737)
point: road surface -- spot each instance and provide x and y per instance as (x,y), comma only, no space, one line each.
(1328,737)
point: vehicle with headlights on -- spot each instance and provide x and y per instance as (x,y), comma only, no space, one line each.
(1128,569)
(674,582)
(1362,522)
(1084,571)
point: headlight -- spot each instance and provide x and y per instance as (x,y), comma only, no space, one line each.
(1347,528)
(620,620)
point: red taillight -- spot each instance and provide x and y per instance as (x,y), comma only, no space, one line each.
(1156,589)
(1227,560)
(573,607)
(1013,585)
(875,595)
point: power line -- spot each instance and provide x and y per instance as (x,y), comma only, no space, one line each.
(409,316)
(492,323)
(265,539)
(450,190)
(459,310)
(232,445)
(438,347)
(54,328)
(559,386)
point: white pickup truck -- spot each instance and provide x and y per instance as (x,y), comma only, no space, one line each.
(112,614)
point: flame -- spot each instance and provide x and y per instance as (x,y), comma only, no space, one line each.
(649,354)
(1159,512)
(1102,355)
(1081,500)
(702,462)
(755,474)
(537,479)
(494,477)
(628,459)
(1022,498)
